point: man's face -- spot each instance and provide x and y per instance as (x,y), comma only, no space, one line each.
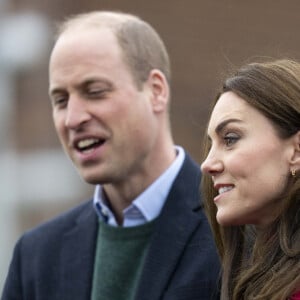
(104,122)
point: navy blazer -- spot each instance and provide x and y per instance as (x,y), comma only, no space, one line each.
(55,260)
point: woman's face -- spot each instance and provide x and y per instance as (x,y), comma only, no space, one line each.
(248,162)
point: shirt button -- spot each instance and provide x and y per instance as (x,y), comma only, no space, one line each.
(104,212)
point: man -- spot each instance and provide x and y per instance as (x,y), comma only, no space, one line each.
(144,235)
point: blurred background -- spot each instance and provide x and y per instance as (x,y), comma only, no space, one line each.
(205,38)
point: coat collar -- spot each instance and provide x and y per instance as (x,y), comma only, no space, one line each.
(177,222)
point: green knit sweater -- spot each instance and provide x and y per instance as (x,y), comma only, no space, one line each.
(119,258)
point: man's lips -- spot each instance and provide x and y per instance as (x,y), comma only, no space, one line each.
(86,144)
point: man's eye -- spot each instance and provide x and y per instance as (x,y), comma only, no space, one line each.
(230,139)
(96,92)
(60,101)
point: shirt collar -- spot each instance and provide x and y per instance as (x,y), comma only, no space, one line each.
(147,206)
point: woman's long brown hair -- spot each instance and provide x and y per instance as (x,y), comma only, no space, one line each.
(266,264)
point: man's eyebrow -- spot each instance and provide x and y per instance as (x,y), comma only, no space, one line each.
(85,83)
(224,123)
(54,91)
(90,81)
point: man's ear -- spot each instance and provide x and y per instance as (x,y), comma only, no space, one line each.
(295,158)
(160,90)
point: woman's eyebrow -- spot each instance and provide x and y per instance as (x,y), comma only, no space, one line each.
(224,123)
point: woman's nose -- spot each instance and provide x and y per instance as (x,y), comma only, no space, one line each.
(212,164)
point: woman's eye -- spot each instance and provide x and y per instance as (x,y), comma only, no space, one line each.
(230,139)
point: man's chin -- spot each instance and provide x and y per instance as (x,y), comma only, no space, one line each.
(92,178)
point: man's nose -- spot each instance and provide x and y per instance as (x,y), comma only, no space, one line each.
(77,113)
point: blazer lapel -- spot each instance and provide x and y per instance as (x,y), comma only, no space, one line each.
(177,222)
(77,257)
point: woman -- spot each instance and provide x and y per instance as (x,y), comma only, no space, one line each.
(251,181)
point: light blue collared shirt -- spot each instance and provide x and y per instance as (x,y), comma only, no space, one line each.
(147,206)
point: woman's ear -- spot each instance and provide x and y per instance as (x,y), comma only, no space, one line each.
(295,158)
(160,90)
